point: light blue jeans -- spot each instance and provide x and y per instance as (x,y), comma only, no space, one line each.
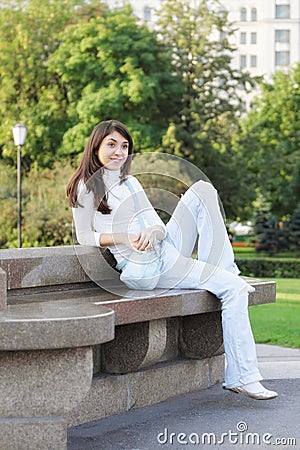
(198,217)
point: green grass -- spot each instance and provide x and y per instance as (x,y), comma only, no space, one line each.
(245,252)
(279,323)
(276,323)
(249,252)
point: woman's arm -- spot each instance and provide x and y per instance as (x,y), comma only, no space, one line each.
(145,240)
(83,217)
(155,229)
(109,239)
(86,235)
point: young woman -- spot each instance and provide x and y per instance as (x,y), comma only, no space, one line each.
(105,216)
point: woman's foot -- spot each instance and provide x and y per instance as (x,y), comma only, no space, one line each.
(254,390)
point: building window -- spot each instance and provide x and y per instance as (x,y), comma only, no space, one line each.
(243,15)
(282,58)
(253,38)
(243,61)
(282,36)
(253,61)
(243,38)
(254,14)
(147,14)
(282,11)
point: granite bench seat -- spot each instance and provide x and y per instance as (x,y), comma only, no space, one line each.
(69,325)
(141,306)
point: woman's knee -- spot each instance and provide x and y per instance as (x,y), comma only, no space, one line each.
(198,191)
(202,188)
(231,284)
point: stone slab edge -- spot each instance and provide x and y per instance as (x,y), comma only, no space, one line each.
(34,433)
(180,303)
(3,289)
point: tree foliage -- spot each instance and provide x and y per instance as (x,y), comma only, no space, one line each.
(294,230)
(8,205)
(270,139)
(46,216)
(114,68)
(198,36)
(29,34)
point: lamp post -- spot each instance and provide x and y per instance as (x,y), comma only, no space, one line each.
(19,133)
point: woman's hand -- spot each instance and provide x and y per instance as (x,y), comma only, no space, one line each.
(131,241)
(136,242)
(148,238)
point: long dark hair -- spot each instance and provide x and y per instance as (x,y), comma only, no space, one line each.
(90,168)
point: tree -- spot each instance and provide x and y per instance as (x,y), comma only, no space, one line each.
(294,230)
(207,118)
(271,140)
(272,234)
(114,68)
(29,34)
(265,227)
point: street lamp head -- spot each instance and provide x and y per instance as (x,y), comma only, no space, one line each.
(19,133)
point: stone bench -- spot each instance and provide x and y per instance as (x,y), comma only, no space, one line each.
(74,350)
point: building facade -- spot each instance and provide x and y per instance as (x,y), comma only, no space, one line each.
(267,35)
(144,9)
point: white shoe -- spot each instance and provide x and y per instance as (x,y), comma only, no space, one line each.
(263,394)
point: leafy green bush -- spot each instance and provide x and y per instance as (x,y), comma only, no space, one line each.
(47,218)
(270,267)
(8,206)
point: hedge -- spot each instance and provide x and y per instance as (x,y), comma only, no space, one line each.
(269,267)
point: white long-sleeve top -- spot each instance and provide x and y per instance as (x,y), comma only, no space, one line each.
(90,223)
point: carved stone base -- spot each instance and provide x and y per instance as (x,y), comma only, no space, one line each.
(140,345)
(201,335)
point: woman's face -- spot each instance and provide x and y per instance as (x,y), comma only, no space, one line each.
(113,151)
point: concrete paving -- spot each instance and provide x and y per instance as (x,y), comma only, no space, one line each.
(210,418)
(277,362)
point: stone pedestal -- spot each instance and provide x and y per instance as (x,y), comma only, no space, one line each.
(40,433)
(46,368)
(37,389)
